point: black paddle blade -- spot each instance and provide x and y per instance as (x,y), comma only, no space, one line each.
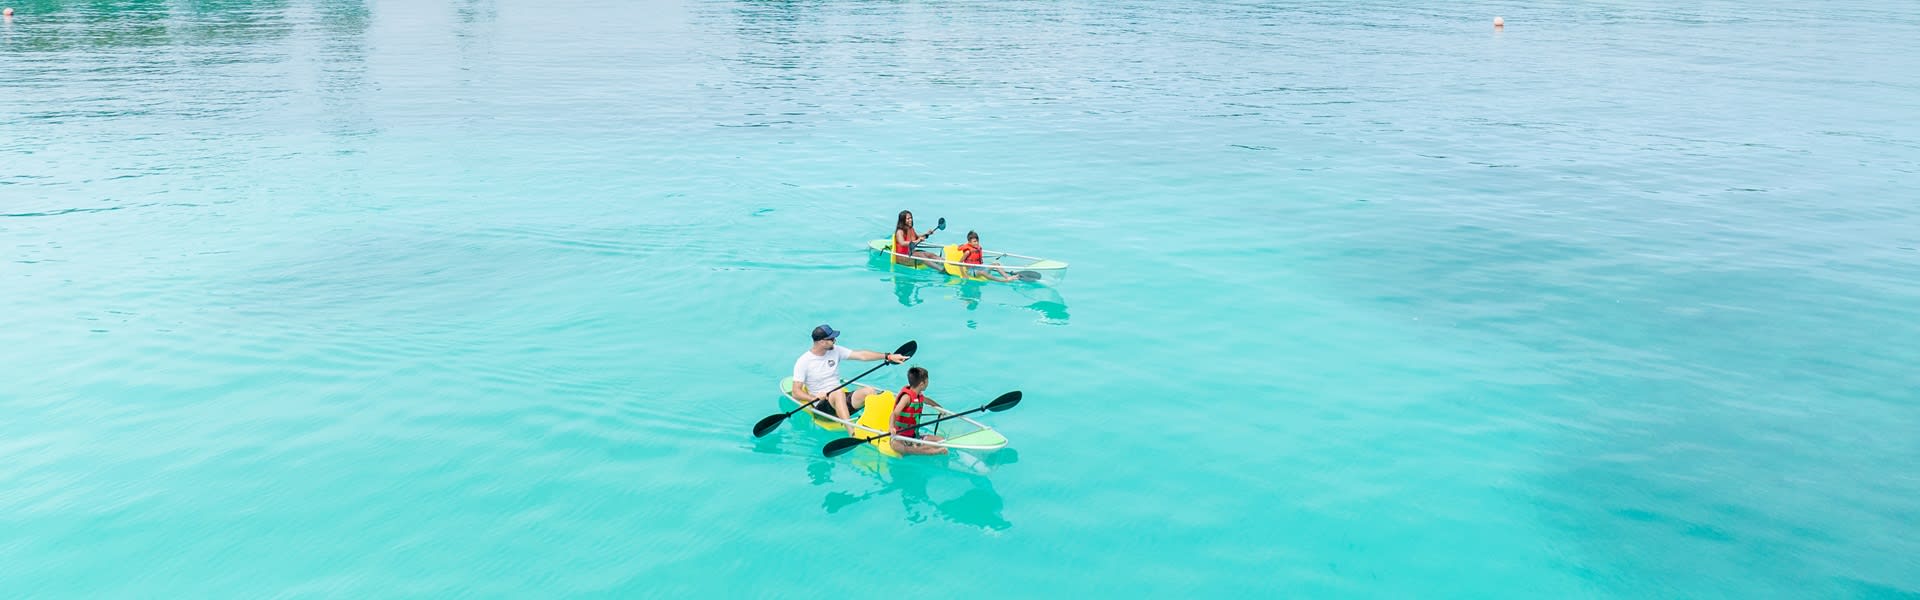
(767,425)
(840,446)
(1005,401)
(908,348)
(941,225)
(1027,275)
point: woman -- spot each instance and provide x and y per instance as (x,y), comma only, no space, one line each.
(904,238)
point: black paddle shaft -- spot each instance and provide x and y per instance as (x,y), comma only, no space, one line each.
(942,226)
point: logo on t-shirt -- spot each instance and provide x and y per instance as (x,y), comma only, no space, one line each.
(833,363)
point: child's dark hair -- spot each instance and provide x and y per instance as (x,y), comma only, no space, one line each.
(916,376)
(972,236)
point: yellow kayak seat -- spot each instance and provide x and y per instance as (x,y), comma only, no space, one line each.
(878,416)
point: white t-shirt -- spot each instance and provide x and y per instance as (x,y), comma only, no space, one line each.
(821,373)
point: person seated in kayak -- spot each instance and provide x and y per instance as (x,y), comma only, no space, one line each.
(970,253)
(904,237)
(906,414)
(816,374)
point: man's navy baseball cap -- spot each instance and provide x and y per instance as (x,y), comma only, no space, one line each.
(824,332)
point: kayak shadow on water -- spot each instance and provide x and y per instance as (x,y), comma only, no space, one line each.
(912,288)
(927,486)
(926,489)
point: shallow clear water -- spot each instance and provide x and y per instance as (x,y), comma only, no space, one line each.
(482,297)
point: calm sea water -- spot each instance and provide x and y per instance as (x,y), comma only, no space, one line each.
(481,297)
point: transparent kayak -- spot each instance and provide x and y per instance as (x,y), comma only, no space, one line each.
(963,433)
(995,265)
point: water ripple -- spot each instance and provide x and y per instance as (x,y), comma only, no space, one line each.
(481,297)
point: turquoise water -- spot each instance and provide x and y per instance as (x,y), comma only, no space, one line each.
(333,298)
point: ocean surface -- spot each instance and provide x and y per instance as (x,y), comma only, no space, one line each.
(333,298)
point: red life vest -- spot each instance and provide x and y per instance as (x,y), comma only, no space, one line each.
(907,413)
(970,253)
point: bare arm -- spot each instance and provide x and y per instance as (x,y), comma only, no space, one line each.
(871,355)
(799,391)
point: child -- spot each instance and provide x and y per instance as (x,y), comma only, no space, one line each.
(970,253)
(906,413)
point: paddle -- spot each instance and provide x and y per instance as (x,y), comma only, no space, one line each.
(842,445)
(938,227)
(767,425)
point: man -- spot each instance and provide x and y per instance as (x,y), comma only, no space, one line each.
(817,373)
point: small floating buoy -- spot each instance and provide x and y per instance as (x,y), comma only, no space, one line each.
(8,12)
(1499,23)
